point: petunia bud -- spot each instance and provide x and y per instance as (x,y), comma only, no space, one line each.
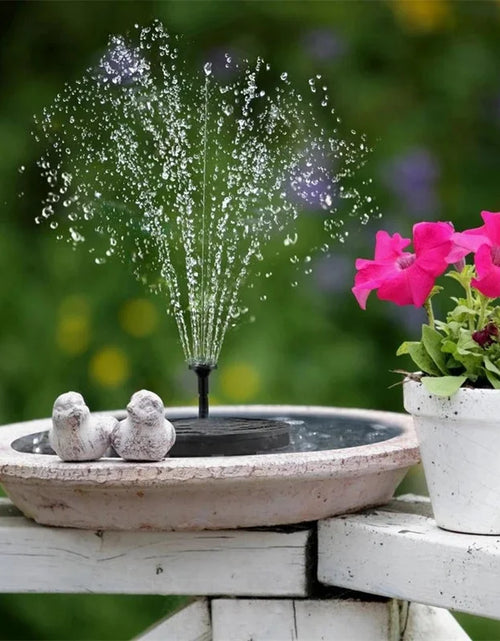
(486,336)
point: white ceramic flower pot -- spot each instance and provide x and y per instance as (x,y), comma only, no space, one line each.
(459,438)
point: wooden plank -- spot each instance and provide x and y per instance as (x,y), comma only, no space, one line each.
(398,551)
(304,620)
(267,562)
(426,623)
(190,623)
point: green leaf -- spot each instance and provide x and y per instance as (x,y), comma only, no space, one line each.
(432,340)
(467,345)
(420,357)
(464,277)
(471,363)
(455,275)
(449,347)
(403,348)
(495,382)
(434,291)
(491,367)
(443,385)
(463,309)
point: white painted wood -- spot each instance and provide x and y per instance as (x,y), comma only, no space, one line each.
(426,623)
(190,623)
(35,558)
(304,620)
(398,551)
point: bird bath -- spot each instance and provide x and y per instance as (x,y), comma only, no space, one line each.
(190,180)
(338,461)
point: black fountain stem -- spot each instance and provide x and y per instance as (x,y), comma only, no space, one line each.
(202,370)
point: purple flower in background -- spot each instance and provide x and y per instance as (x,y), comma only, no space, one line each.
(323,44)
(333,274)
(122,64)
(412,177)
(312,184)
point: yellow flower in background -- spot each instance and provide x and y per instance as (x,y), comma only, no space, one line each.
(239,382)
(138,317)
(422,15)
(73,326)
(109,366)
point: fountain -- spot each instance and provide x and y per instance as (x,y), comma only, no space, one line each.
(193,181)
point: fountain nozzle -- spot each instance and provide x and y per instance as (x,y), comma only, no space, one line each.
(202,371)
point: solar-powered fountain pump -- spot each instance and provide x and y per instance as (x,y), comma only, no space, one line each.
(202,371)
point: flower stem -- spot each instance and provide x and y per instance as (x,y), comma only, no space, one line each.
(482,312)
(430,312)
(470,301)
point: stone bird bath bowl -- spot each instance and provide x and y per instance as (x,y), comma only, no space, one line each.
(338,461)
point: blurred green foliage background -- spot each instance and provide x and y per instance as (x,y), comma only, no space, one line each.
(420,78)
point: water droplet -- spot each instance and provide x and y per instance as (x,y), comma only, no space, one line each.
(76,237)
(284,75)
(291,240)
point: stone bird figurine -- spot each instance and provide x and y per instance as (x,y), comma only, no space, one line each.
(76,435)
(145,435)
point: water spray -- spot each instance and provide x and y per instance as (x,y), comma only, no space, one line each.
(193,216)
(202,371)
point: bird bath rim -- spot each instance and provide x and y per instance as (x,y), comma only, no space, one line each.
(214,493)
(391,453)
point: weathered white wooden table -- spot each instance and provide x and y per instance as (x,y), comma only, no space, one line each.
(373,576)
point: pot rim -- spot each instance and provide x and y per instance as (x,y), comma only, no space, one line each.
(468,403)
(465,391)
(398,452)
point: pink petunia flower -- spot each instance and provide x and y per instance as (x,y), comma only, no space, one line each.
(485,242)
(403,277)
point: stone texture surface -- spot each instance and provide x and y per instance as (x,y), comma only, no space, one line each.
(76,434)
(145,435)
